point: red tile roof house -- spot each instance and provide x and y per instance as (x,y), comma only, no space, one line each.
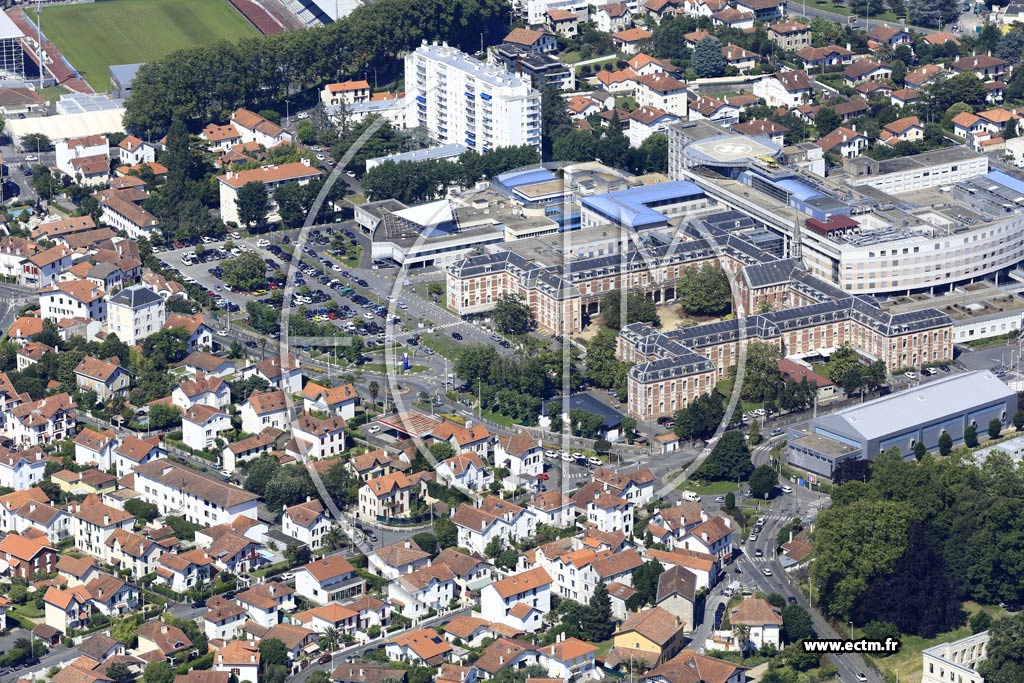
(826,388)
(22,557)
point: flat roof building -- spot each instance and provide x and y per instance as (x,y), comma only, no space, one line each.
(904,419)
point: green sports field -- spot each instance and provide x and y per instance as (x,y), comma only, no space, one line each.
(95,35)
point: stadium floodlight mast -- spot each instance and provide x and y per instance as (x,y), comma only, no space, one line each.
(39,39)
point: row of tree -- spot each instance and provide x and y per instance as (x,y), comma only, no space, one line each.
(417,181)
(207,83)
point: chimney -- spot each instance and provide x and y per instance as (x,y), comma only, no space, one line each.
(408,543)
(163,628)
(106,520)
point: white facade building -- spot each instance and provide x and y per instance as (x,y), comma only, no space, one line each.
(461,100)
(135,313)
(199,498)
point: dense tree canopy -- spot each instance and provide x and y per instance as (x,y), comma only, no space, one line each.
(207,83)
(705,291)
(729,460)
(638,308)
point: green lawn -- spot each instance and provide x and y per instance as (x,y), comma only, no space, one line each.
(93,36)
(830,6)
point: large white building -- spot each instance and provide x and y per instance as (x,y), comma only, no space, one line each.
(199,498)
(461,100)
(956,661)
(134,314)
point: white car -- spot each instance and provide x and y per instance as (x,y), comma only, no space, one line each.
(752,537)
(302,115)
(31,157)
(861,677)
(787,489)
(568,458)
(550,454)
(910,375)
(373,429)
(766,571)
(262,243)
(222,333)
(595,461)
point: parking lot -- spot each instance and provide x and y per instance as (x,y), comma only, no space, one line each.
(319,279)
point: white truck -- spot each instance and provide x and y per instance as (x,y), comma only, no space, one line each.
(691,496)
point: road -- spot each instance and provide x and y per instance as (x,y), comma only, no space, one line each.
(356,650)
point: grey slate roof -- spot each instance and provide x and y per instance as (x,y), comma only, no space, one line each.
(135,297)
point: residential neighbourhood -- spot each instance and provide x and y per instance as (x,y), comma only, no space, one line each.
(434,341)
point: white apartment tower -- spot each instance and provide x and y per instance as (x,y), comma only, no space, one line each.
(461,100)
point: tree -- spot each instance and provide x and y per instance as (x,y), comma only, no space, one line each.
(263,318)
(427,542)
(826,120)
(761,376)
(259,474)
(981,621)
(920,451)
(645,581)
(853,544)
(995,426)
(971,436)
(297,555)
(1018,420)
(272,652)
(118,672)
(881,630)
(730,501)
(797,623)
(729,460)
(916,596)
(140,509)
(708,60)
(555,121)
(374,390)
(705,291)
(446,532)
(629,428)
(598,624)
(638,308)
(762,481)
(158,672)
(576,145)
(945,443)
(253,203)
(441,450)
(512,315)
(163,416)
(1005,659)
(245,272)
(36,142)
(305,131)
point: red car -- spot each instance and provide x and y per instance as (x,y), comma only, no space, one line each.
(543,476)
(325,659)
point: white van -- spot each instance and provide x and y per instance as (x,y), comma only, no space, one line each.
(691,496)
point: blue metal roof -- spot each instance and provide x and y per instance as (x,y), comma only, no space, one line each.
(630,207)
(1006,180)
(799,190)
(514,179)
